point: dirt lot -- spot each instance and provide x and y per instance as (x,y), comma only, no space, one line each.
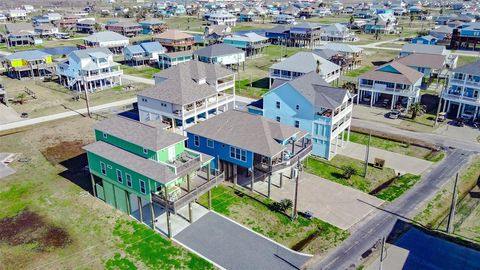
(51,190)
(51,97)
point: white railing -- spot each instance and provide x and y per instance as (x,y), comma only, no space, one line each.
(222,100)
(225,85)
(102,75)
(382,88)
(460,97)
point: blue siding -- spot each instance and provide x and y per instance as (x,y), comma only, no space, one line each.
(219,151)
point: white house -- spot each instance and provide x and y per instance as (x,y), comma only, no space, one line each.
(17,14)
(337,32)
(186,93)
(107,39)
(222,17)
(89,70)
(222,54)
(302,63)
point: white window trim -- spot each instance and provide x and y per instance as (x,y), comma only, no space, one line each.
(210,143)
(129,183)
(104,135)
(144,187)
(119,179)
(196,140)
(145,151)
(103,168)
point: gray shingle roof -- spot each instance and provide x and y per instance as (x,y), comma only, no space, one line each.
(306,62)
(423,48)
(27,55)
(146,135)
(235,127)
(433,61)
(219,49)
(105,36)
(341,47)
(472,68)
(405,75)
(151,169)
(318,91)
(87,52)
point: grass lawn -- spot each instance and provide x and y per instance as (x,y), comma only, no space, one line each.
(463,60)
(63,226)
(398,187)
(359,71)
(436,210)
(333,170)
(394,146)
(140,71)
(189,23)
(52,98)
(253,210)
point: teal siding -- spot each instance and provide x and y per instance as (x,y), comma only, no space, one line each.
(127,146)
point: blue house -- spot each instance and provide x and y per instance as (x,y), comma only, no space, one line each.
(150,27)
(252,43)
(276,147)
(278,34)
(427,40)
(311,104)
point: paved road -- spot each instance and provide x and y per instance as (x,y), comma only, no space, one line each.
(236,248)
(369,231)
(428,137)
(57,116)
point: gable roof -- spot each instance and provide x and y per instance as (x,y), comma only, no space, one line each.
(423,48)
(105,36)
(341,47)
(306,62)
(280,29)
(433,61)
(88,52)
(152,46)
(135,49)
(173,34)
(151,169)
(219,49)
(317,91)
(472,68)
(232,127)
(153,137)
(27,55)
(248,37)
(403,74)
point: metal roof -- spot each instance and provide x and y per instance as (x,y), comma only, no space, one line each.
(305,62)
(219,49)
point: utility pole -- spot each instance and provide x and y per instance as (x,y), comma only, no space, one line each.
(451,216)
(440,101)
(296,172)
(367,153)
(382,254)
(87,102)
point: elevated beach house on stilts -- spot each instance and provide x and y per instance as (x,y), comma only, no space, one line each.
(147,172)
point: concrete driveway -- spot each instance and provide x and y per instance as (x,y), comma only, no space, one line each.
(8,114)
(400,163)
(235,247)
(334,203)
(4,169)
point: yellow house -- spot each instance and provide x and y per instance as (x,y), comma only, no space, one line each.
(32,64)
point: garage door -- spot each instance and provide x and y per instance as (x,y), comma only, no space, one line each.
(120,199)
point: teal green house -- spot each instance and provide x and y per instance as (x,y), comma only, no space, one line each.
(137,168)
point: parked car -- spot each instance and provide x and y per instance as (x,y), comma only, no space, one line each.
(394,114)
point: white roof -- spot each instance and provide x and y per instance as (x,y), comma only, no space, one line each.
(305,62)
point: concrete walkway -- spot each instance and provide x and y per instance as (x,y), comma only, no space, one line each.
(57,116)
(334,203)
(138,79)
(236,247)
(400,163)
(8,114)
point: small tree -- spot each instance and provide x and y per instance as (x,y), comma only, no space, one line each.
(441,11)
(348,172)
(416,109)
(21,98)
(352,20)
(282,206)
(412,18)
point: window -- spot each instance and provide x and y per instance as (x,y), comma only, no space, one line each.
(129,179)
(119,176)
(145,151)
(142,187)
(237,153)
(196,140)
(297,124)
(209,143)
(278,118)
(144,100)
(278,104)
(105,135)
(103,168)
(297,107)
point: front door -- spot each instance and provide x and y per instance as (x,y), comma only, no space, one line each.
(171,153)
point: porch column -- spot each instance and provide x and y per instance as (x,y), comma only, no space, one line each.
(392,102)
(281,179)
(152,213)
(94,192)
(336,145)
(459,109)
(444,104)
(190,215)
(343,138)
(270,178)
(252,178)
(235,174)
(359,93)
(371,98)
(448,107)
(140,208)
(129,206)
(476,112)
(348,134)
(209,191)
(169,225)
